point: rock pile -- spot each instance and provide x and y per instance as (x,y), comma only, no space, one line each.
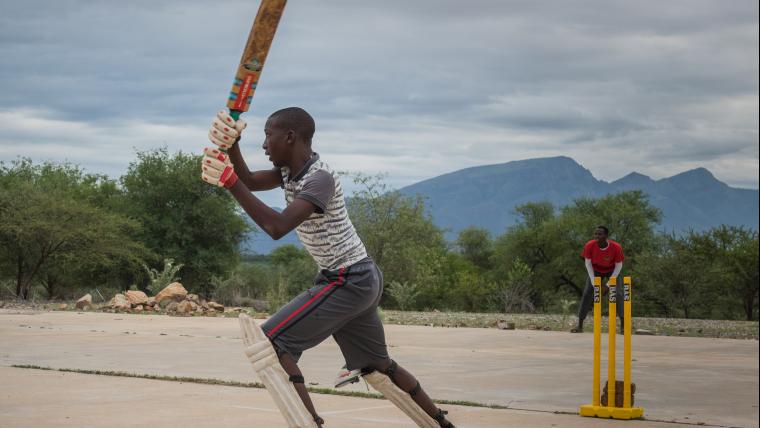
(174,299)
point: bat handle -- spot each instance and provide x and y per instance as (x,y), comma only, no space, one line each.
(235,114)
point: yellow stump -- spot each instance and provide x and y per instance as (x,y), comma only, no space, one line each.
(627,342)
(612,329)
(597,340)
(597,409)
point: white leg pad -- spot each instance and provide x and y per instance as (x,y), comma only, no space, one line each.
(384,385)
(262,355)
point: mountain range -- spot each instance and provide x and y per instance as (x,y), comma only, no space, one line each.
(485,196)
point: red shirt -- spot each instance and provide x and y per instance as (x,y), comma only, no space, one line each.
(603,260)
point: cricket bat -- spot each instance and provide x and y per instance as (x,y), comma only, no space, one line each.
(254,56)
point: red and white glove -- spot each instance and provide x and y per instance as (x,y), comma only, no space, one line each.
(217,168)
(225,131)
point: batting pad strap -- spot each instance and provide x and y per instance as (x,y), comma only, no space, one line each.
(416,390)
(383,384)
(441,415)
(296,379)
(391,370)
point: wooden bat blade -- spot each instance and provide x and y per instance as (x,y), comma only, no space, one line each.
(254,55)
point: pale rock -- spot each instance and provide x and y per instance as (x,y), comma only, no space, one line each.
(136,297)
(84,302)
(119,302)
(172,306)
(185,307)
(174,291)
(216,306)
(63,306)
(138,308)
(151,301)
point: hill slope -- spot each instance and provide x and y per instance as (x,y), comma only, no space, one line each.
(485,196)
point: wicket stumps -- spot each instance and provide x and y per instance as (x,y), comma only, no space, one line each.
(609,409)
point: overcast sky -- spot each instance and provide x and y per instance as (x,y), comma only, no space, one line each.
(411,88)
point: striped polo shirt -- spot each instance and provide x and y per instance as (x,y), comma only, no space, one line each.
(328,234)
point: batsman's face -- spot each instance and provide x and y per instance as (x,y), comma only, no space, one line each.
(276,143)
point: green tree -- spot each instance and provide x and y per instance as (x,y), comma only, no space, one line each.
(726,265)
(550,242)
(158,280)
(672,280)
(249,281)
(405,294)
(294,269)
(476,246)
(734,253)
(515,293)
(399,236)
(54,231)
(464,286)
(711,274)
(183,218)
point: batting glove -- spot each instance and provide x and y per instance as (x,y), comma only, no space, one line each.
(217,168)
(225,131)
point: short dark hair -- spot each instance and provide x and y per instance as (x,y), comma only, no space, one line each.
(604,228)
(297,120)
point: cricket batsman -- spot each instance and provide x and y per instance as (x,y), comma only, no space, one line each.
(343,301)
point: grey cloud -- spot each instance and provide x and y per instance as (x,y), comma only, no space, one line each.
(474,81)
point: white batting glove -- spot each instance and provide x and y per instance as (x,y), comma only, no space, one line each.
(217,168)
(225,131)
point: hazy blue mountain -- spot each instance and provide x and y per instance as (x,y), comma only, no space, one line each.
(485,196)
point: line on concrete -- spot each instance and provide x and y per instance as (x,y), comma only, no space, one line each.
(325,391)
(334,413)
(383,422)
(261,409)
(338,412)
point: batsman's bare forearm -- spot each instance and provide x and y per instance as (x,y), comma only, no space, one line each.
(241,168)
(254,181)
(275,224)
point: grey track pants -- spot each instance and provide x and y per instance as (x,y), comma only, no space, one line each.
(587,300)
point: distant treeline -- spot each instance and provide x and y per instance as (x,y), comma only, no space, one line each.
(65,232)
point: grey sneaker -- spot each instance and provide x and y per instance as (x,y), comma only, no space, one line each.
(347,377)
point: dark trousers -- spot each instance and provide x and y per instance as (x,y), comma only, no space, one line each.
(587,300)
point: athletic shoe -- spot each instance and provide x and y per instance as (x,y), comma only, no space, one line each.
(347,377)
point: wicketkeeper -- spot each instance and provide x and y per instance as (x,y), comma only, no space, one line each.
(602,257)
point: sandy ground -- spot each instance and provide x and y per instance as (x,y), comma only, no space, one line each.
(681,380)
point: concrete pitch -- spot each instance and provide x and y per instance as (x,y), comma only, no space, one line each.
(535,373)
(35,398)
